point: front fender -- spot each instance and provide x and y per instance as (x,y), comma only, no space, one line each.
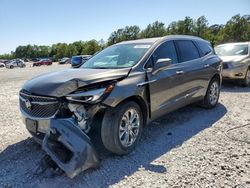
(127,88)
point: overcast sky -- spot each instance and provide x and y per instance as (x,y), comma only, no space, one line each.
(45,22)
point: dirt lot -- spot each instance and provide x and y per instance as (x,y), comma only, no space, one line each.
(191,147)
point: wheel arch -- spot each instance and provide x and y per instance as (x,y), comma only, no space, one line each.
(216,76)
(142,104)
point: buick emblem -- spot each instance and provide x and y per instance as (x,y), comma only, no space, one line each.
(28,104)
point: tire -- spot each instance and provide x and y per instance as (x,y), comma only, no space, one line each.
(11,67)
(212,95)
(114,130)
(246,81)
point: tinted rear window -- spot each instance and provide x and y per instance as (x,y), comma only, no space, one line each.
(187,50)
(204,47)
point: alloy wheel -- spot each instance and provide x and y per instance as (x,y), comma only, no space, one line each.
(214,93)
(129,127)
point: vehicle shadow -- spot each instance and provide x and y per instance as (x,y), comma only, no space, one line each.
(158,139)
(233,86)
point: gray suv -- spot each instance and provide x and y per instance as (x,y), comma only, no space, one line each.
(128,85)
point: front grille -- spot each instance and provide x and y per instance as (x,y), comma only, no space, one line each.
(225,66)
(38,106)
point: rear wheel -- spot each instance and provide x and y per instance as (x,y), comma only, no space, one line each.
(246,81)
(122,128)
(212,95)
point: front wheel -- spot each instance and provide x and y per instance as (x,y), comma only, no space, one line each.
(122,127)
(213,93)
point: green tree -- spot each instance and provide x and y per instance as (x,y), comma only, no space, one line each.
(201,27)
(91,47)
(124,34)
(237,29)
(182,27)
(156,29)
(79,46)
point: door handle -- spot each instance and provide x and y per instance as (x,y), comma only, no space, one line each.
(206,66)
(179,72)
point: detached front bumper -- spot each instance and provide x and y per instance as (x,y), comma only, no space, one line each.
(69,147)
(234,72)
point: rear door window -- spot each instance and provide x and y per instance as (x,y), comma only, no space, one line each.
(205,48)
(187,50)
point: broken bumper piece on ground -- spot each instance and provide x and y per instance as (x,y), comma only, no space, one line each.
(69,147)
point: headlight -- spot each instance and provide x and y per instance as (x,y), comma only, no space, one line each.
(235,64)
(90,96)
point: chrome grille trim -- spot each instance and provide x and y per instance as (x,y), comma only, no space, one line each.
(29,95)
(38,107)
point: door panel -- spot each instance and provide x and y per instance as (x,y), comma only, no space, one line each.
(193,68)
(166,92)
(166,86)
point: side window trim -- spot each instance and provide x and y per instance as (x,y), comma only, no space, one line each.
(197,48)
(177,52)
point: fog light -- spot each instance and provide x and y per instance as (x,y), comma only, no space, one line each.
(239,74)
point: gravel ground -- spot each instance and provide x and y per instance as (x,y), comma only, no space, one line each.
(191,147)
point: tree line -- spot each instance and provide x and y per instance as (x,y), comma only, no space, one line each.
(237,29)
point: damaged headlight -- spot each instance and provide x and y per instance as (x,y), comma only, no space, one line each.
(90,96)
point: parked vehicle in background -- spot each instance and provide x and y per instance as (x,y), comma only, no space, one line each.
(2,65)
(4,61)
(35,59)
(77,61)
(15,63)
(42,62)
(128,84)
(65,60)
(236,61)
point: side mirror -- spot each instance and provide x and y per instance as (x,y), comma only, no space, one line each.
(161,64)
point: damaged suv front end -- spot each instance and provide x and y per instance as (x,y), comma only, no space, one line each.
(58,110)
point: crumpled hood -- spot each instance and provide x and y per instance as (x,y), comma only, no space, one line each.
(235,58)
(61,83)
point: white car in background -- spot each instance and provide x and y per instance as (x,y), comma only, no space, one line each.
(2,65)
(236,61)
(15,63)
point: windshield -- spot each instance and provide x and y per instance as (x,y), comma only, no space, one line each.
(232,49)
(118,56)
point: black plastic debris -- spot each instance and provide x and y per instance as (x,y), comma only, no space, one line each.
(69,147)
